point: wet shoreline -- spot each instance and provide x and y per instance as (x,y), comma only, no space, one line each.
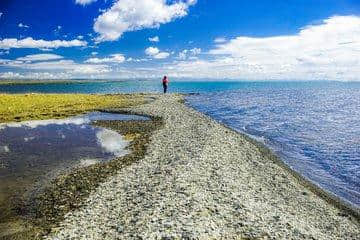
(69,192)
(200,179)
(332,199)
(267,152)
(32,215)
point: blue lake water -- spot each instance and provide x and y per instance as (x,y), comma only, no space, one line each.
(132,86)
(313,126)
(315,129)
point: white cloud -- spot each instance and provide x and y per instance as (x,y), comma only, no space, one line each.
(57,66)
(130,15)
(154,39)
(94,53)
(34,75)
(114,58)
(80,37)
(84,2)
(21,25)
(136,60)
(9,75)
(29,42)
(329,50)
(162,55)
(326,51)
(1,14)
(189,53)
(155,53)
(39,57)
(151,51)
(182,54)
(195,51)
(220,40)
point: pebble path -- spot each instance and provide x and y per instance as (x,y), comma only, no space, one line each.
(200,180)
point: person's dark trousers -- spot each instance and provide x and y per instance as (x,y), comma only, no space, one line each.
(165,87)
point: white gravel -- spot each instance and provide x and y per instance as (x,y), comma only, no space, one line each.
(200,180)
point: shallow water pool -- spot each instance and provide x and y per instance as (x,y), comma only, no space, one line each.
(34,152)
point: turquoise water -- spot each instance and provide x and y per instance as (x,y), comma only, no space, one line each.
(313,126)
(149,86)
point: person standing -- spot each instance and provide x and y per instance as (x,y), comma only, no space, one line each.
(165,83)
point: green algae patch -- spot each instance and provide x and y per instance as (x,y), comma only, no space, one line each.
(23,107)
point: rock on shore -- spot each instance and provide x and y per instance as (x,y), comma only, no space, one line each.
(200,180)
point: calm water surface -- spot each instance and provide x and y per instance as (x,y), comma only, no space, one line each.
(33,152)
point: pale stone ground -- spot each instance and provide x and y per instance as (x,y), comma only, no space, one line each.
(200,180)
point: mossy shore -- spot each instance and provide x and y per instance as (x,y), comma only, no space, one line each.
(32,218)
(23,107)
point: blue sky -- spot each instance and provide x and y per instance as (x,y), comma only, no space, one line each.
(232,39)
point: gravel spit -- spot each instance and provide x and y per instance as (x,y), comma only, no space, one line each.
(200,180)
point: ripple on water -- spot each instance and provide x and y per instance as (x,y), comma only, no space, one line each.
(316,130)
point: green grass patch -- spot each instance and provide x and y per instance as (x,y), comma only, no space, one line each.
(22,107)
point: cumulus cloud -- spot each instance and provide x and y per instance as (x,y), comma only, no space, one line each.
(21,25)
(136,59)
(326,51)
(187,53)
(69,66)
(84,2)
(151,51)
(94,53)
(1,14)
(40,57)
(80,37)
(10,75)
(29,42)
(219,40)
(129,15)
(155,53)
(34,75)
(329,50)
(162,55)
(154,39)
(114,58)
